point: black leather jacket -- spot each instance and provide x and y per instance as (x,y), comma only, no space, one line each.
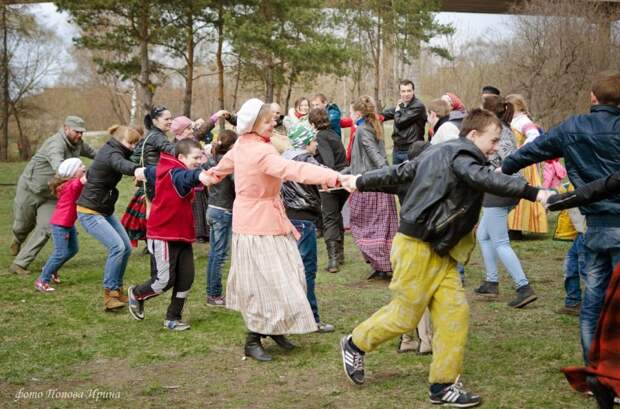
(600,189)
(147,152)
(221,194)
(302,202)
(110,164)
(409,123)
(445,196)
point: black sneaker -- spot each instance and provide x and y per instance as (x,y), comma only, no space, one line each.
(525,295)
(456,396)
(136,307)
(352,361)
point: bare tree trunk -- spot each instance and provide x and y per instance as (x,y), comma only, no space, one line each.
(146,90)
(237,78)
(269,84)
(189,74)
(4,136)
(218,59)
(291,81)
(134,106)
(378,62)
(25,150)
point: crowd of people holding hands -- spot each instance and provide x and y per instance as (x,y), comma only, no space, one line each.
(261,192)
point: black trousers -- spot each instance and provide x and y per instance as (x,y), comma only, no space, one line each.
(172,266)
(331,209)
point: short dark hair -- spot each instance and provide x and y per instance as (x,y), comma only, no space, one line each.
(490,89)
(479,119)
(405,83)
(225,140)
(320,96)
(319,118)
(606,87)
(185,146)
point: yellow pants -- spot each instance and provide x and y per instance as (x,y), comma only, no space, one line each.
(422,279)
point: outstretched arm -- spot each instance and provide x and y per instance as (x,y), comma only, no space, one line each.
(594,191)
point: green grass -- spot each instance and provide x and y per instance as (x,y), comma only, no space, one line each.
(65,341)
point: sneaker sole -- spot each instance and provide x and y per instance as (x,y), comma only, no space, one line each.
(131,311)
(525,302)
(216,305)
(456,405)
(177,328)
(343,341)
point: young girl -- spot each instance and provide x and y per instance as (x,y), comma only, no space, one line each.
(219,217)
(527,216)
(266,282)
(297,114)
(67,186)
(373,214)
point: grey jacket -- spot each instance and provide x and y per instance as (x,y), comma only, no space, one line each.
(44,164)
(507,146)
(367,152)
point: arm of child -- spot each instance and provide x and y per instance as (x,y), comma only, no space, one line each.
(385,179)
(594,191)
(184,180)
(485,179)
(547,146)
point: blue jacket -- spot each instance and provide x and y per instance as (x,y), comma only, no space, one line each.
(590,145)
(334,117)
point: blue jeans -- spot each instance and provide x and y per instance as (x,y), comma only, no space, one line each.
(602,248)
(65,247)
(492,235)
(574,271)
(221,229)
(307,249)
(108,231)
(400,157)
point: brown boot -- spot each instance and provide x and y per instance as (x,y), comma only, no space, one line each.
(122,295)
(19,270)
(111,301)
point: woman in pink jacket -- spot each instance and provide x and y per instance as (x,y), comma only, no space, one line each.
(266,282)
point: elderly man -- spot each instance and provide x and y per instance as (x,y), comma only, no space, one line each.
(34,202)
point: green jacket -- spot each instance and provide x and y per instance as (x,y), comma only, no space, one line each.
(44,164)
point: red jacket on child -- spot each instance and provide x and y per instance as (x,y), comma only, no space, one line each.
(171,217)
(65,213)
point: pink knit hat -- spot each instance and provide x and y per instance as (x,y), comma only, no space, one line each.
(179,124)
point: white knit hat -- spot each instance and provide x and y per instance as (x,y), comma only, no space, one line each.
(68,167)
(247,115)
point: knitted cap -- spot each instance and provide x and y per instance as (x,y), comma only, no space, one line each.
(180,124)
(301,135)
(68,167)
(247,115)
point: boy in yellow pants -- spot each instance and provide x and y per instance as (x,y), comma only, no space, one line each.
(442,206)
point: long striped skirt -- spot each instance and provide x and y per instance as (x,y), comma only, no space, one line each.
(267,284)
(134,218)
(529,216)
(374,223)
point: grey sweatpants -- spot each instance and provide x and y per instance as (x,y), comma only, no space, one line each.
(32,214)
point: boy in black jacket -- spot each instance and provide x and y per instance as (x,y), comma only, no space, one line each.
(438,215)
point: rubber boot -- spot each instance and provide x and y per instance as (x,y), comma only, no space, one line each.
(283,342)
(340,252)
(254,348)
(111,301)
(332,256)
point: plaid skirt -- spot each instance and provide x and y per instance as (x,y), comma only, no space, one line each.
(134,218)
(373,225)
(199,207)
(267,284)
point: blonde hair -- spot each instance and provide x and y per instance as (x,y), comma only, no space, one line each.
(368,108)
(518,102)
(124,133)
(264,113)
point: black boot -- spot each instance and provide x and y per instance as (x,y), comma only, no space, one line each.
(254,349)
(332,256)
(604,395)
(488,289)
(283,342)
(341,252)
